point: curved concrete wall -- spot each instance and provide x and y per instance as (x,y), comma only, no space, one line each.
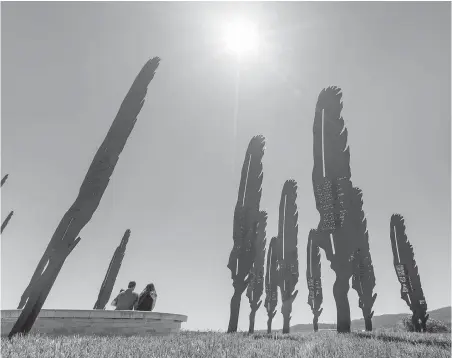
(98,322)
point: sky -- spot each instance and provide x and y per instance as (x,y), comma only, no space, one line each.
(66,68)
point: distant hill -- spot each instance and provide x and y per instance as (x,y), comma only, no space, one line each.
(386,320)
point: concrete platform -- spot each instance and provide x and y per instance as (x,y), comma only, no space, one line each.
(97,322)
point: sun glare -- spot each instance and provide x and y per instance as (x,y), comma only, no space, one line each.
(241,37)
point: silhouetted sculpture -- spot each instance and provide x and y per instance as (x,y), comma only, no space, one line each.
(287,250)
(4,180)
(112,273)
(363,280)
(339,230)
(314,279)
(407,272)
(6,221)
(96,181)
(256,277)
(271,282)
(246,216)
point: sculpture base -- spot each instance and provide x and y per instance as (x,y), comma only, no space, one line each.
(97,322)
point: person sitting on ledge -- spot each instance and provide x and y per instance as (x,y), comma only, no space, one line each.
(146,300)
(127,299)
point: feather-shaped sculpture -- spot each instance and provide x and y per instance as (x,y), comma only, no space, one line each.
(287,250)
(246,217)
(363,272)
(271,282)
(3,180)
(93,186)
(407,272)
(112,273)
(6,221)
(314,279)
(337,232)
(256,277)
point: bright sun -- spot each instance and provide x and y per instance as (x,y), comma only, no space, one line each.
(241,37)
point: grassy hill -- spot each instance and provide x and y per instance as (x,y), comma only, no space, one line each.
(324,344)
(382,321)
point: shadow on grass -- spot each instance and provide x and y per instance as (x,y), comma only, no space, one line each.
(387,338)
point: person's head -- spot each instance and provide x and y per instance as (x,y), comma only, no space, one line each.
(150,287)
(132,285)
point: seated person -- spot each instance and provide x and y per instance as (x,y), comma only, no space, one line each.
(146,300)
(127,299)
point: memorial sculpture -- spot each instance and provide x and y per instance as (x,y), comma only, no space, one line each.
(112,273)
(93,186)
(338,232)
(271,283)
(407,273)
(246,217)
(256,276)
(287,251)
(314,279)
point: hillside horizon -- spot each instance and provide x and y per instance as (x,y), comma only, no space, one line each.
(386,320)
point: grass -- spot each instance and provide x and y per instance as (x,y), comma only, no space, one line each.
(214,345)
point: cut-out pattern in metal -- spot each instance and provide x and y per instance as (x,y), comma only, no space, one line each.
(407,273)
(287,250)
(256,276)
(271,282)
(79,214)
(314,279)
(112,273)
(246,217)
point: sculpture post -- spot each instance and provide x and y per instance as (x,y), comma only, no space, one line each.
(87,201)
(112,273)
(246,216)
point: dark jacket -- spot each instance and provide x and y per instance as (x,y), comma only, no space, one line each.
(146,301)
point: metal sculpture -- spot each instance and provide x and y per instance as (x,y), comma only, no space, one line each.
(93,186)
(338,232)
(363,279)
(112,272)
(407,272)
(314,279)
(287,250)
(271,283)
(246,217)
(256,276)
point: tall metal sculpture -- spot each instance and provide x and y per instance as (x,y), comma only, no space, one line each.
(338,232)
(256,281)
(96,181)
(363,279)
(314,279)
(271,282)
(407,272)
(112,273)
(287,250)
(246,217)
